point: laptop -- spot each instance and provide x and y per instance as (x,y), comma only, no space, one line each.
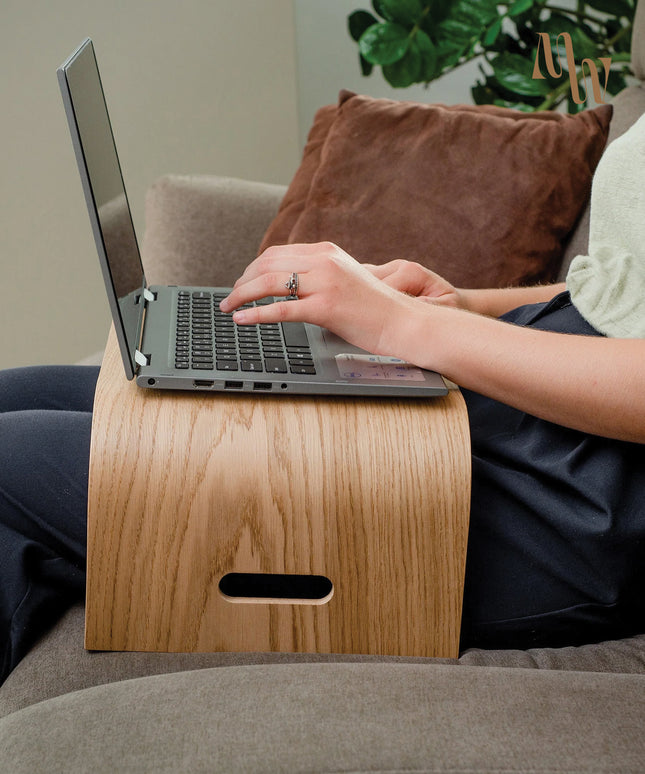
(173,337)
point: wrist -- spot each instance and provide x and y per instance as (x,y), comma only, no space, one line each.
(418,335)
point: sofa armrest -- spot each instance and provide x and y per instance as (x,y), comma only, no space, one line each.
(204,230)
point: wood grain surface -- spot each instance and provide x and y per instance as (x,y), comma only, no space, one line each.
(187,487)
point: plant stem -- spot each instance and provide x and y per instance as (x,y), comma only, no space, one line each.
(417,26)
(623,56)
(569,12)
(621,33)
(553,98)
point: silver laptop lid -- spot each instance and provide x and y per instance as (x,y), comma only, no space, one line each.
(105,195)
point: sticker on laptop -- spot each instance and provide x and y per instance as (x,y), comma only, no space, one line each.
(377,367)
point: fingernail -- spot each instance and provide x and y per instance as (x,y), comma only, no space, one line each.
(240,317)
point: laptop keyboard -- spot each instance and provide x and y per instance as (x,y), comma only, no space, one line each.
(207,340)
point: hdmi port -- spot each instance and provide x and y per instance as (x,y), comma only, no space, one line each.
(203,382)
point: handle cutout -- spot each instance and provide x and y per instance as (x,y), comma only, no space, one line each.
(276,588)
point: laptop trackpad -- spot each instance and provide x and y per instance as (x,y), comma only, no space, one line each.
(355,364)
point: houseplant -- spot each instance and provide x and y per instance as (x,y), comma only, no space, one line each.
(415,41)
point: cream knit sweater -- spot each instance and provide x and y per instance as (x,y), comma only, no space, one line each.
(607,286)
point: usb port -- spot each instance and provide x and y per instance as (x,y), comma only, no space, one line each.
(203,382)
(261,385)
(233,385)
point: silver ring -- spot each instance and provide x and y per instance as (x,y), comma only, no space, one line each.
(292,287)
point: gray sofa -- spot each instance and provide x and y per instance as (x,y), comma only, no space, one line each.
(64,709)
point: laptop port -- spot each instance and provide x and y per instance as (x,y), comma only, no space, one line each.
(203,383)
(233,385)
(262,385)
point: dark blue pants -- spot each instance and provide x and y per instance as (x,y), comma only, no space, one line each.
(45,424)
(556,548)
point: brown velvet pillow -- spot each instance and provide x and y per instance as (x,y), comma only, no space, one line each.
(295,198)
(486,196)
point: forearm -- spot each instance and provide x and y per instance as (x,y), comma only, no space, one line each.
(494,302)
(584,382)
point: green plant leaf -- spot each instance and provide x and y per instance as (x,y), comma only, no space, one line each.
(406,71)
(377,5)
(613,7)
(429,60)
(514,73)
(366,67)
(419,63)
(481,95)
(448,56)
(492,33)
(616,82)
(520,6)
(465,21)
(385,43)
(358,22)
(402,11)
(583,46)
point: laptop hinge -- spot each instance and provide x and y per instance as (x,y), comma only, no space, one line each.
(141,359)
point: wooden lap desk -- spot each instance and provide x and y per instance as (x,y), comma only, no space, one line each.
(187,488)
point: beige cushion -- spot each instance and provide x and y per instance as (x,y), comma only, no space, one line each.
(337,717)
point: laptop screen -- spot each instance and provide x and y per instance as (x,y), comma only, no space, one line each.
(105,195)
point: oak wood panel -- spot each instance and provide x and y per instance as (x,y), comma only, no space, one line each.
(185,487)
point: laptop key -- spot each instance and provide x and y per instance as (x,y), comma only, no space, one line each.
(301,369)
(295,334)
(227,365)
(276,365)
(251,365)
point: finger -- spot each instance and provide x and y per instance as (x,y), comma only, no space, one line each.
(279,311)
(378,271)
(274,283)
(383,270)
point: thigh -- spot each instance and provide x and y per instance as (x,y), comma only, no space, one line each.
(556,550)
(44,459)
(60,388)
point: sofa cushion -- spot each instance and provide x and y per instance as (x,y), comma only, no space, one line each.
(625,656)
(337,717)
(203,229)
(59,664)
(486,196)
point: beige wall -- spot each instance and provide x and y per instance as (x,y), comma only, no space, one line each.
(197,86)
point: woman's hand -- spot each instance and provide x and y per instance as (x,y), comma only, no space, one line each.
(334,292)
(417,281)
